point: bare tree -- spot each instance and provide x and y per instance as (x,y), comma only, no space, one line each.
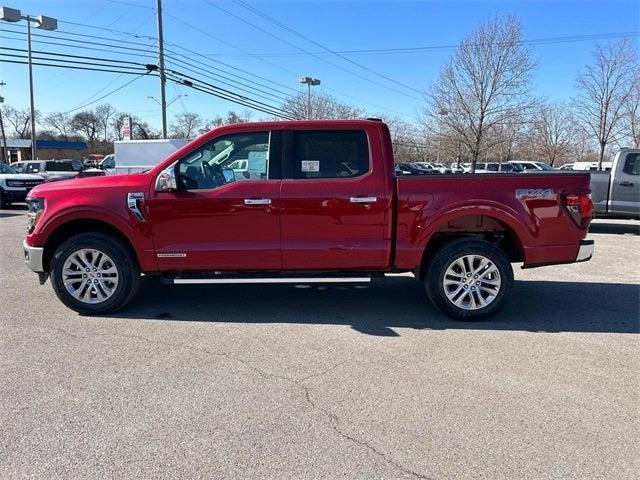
(408,142)
(322,107)
(185,125)
(632,113)
(87,124)
(487,79)
(142,130)
(104,113)
(19,120)
(231,118)
(605,87)
(553,132)
(60,124)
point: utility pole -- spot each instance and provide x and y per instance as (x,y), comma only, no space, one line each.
(309,82)
(163,80)
(5,150)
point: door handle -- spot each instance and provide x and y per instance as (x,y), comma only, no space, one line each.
(257,201)
(626,184)
(363,199)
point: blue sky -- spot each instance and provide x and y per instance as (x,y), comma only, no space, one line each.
(335,24)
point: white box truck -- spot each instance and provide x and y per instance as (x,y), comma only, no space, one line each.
(134,156)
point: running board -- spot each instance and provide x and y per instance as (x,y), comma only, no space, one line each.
(223,278)
(255,280)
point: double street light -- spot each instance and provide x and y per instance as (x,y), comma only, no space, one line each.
(309,82)
(45,23)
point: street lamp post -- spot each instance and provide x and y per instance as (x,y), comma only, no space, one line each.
(309,81)
(45,23)
(442,112)
(5,150)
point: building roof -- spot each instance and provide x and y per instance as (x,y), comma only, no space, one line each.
(56,144)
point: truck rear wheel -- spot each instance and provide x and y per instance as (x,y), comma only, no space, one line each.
(469,279)
(94,273)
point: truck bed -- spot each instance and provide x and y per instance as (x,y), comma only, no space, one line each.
(526,207)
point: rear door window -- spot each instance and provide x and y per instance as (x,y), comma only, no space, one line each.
(330,154)
(632,164)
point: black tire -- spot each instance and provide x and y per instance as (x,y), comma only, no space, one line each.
(4,203)
(445,257)
(123,260)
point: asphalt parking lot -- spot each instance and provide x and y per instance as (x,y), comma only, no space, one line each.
(284,382)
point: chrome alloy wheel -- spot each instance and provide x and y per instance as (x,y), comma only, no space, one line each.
(471,282)
(90,276)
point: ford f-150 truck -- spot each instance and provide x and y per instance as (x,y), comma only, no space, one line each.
(322,204)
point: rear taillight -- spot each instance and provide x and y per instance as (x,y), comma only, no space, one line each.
(581,208)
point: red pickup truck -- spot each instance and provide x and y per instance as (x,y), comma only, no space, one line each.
(309,201)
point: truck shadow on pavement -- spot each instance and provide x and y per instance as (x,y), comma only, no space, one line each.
(535,306)
(13,211)
(627,228)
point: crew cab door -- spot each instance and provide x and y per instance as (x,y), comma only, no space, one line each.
(218,220)
(625,190)
(334,201)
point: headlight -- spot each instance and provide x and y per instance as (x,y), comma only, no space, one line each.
(15,183)
(36,207)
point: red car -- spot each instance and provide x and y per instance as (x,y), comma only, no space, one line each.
(318,202)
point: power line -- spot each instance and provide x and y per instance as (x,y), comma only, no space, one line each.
(42,52)
(107,94)
(73,67)
(218,77)
(222,91)
(181,59)
(308,52)
(205,89)
(208,34)
(105,29)
(420,49)
(200,59)
(82,42)
(71,46)
(304,37)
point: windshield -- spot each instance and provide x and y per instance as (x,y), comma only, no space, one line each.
(6,169)
(544,166)
(59,167)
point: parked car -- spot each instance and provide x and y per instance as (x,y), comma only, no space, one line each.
(413,169)
(592,166)
(326,209)
(15,186)
(566,166)
(439,167)
(50,170)
(528,166)
(617,193)
(495,167)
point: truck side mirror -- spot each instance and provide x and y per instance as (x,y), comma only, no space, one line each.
(166,181)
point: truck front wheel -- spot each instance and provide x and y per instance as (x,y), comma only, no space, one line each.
(94,273)
(469,279)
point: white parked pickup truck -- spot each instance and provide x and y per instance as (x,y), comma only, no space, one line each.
(617,193)
(14,186)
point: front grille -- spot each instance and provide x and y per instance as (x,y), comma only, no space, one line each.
(23,183)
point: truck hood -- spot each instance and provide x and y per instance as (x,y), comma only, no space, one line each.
(102,183)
